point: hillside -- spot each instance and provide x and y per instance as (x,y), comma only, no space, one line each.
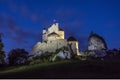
(65,69)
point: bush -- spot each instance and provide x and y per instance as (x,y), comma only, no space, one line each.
(80,57)
(87,51)
(58,59)
(35,61)
(89,58)
(17,56)
(46,57)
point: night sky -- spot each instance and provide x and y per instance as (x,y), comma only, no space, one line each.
(22,21)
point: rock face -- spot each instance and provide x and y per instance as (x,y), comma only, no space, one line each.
(62,55)
(95,53)
(96,42)
(49,46)
(38,53)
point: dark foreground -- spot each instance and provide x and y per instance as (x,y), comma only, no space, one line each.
(74,69)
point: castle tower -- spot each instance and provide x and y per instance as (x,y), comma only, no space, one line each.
(44,35)
(74,45)
(53,28)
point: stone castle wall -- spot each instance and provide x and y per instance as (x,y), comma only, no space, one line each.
(74,46)
(50,46)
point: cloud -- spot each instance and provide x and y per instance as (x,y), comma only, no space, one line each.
(18,40)
(34,18)
(16,33)
(1,22)
(22,36)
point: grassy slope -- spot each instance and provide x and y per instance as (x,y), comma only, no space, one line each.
(65,69)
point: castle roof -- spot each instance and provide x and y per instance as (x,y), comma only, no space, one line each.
(53,33)
(44,28)
(71,39)
(61,29)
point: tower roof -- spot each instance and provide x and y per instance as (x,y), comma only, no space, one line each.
(53,33)
(71,39)
(44,28)
(61,29)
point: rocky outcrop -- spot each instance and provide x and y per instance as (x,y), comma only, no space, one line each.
(96,42)
(62,55)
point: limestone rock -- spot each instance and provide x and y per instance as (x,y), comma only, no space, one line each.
(38,53)
(96,42)
(62,55)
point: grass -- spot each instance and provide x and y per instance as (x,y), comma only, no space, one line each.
(65,69)
(15,69)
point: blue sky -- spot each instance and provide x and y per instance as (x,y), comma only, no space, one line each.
(22,21)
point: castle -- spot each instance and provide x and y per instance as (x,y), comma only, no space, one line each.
(53,38)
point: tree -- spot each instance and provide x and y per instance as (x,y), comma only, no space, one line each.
(2,54)
(17,56)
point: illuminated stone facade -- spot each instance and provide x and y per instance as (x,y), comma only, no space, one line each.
(53,39)
(53,33)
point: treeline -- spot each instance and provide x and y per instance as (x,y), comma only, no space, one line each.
(15,56)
